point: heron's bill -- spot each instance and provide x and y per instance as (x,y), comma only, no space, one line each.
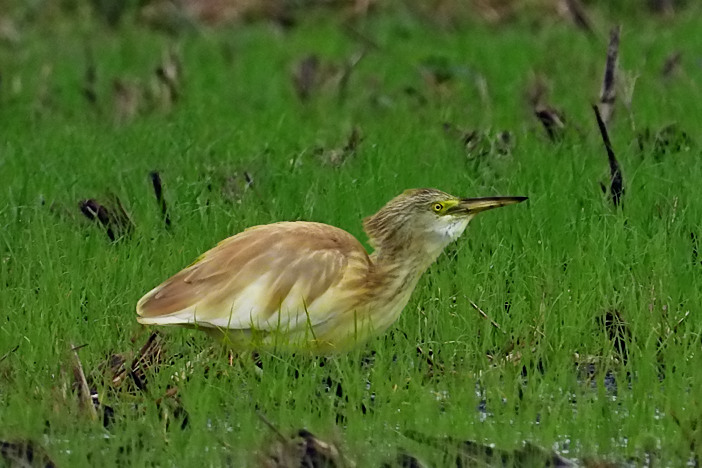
(476,205)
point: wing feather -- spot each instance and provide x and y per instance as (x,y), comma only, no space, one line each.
(262,278)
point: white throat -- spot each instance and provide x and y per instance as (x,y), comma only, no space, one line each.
(444,235)
(455,229)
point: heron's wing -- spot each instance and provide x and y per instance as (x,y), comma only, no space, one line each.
(264,278)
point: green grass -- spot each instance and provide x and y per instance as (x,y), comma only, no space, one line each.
(561,261)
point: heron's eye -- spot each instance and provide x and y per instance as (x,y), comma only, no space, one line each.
(438,207)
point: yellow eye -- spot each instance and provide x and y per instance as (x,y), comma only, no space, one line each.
(438,207)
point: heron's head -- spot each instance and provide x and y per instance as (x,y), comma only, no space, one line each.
(426,219)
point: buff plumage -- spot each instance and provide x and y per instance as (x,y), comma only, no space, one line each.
(302,285)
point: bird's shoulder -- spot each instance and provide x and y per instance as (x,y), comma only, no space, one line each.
(304,235)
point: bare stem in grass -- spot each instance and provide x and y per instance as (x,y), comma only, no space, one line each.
(336,157)
(271,426)
(577,13)
(671,64)
(149,355)
(306,77)
(677,325)
(608,93)
(349,66)
(90,78)
(552,122)
(616,188)
(113,217)
(158,191)
(7,354)
(169,72)
(95,211)
(358,36)
(695,248)
(485,316)
(85,399)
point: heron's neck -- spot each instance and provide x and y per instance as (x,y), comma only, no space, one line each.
(405,263)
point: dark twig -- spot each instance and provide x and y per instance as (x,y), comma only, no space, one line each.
(346,75)
(95,211)
(123,222)
(158,191)
(576,10)
(115,368)
(664,7)
(169,73)
(7,354)
(149,356)
(85,398)
(24,453)
(354,140)
(249,179)
(90,78)
(608,93)
(552,121)
(271,426)
(671,64)
(355,34)
(338,156)
(617,181)
(485,316)
(617,331)
(114,220)
(695,249)
(537,97)
(306,77)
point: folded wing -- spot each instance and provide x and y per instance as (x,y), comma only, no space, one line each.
(280,276)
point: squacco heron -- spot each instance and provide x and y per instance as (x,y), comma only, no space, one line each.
(304,285)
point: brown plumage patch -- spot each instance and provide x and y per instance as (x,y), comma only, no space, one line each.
(313,255)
